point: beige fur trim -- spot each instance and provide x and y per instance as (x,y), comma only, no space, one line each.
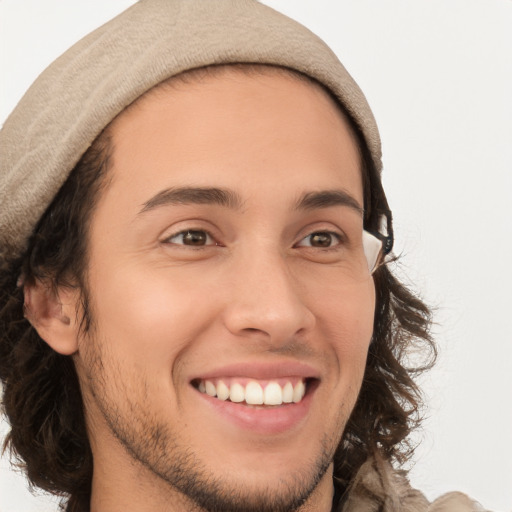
(377,487)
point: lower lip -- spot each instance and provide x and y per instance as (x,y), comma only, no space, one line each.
(262,420)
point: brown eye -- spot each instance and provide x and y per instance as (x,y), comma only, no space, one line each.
(320,239)
(196,238)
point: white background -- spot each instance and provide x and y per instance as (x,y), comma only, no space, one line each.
(438,74)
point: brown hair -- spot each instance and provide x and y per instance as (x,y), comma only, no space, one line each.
(42,396)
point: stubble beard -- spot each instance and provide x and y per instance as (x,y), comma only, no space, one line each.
(206,491)
(155,445)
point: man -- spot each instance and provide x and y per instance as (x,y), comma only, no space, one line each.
(196,308)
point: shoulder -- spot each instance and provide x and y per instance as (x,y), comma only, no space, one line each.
(378,487)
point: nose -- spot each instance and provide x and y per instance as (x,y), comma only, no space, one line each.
(266,301)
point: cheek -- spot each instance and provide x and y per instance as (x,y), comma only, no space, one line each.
(147,317)
(346,316)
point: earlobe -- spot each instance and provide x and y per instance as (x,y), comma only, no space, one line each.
(52,313)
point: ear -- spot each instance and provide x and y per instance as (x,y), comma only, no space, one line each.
(52,313)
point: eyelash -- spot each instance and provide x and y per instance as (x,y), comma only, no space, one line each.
(339,239)
(184,232)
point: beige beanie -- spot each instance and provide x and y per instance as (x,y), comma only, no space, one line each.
(84,89)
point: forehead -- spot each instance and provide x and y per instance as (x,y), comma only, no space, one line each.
(227,123)
(235,78)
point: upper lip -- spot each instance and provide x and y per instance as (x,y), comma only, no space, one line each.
(261,371)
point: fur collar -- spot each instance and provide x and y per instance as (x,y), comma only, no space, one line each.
(377,487)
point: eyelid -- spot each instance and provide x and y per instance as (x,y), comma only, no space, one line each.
(167,238)
(339,236)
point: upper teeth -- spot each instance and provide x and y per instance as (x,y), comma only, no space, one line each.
(254,393)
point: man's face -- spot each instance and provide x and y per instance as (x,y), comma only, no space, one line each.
(226,254)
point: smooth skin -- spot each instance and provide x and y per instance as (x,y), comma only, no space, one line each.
(184,282)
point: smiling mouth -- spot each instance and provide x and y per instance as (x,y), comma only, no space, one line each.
(254,392)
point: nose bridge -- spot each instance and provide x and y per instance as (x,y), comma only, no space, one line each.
(266,299)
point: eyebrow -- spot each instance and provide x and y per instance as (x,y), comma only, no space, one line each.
(326,199)
(231,199)
(194,195)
